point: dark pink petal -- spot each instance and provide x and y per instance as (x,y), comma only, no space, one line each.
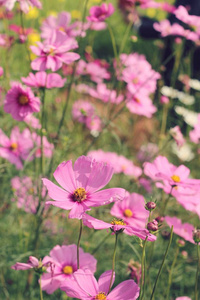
(64,175)
(126,290)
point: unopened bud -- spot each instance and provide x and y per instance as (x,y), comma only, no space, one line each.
(160,219)
(152,226)
(184,254)
(180,243)
(196,236)
(150,206)
(165,234)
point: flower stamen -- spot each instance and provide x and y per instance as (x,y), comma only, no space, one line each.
(79,195)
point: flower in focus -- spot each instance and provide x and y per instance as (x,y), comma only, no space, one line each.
(63,265)
(132,210)
(85,286)
(54,52)
(117,226)
(100,13)
(81,185)
(20,102)
(17,148)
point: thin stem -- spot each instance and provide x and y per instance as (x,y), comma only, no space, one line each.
(41,295)
(171,271)
(197,273)
(166,202)
(142,280)
(162,264)
(78,243)
(113,262)
(113,42)
(24,33)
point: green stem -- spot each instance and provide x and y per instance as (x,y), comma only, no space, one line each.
(113,42)
(142,280)
(78,243)
(113,262)
(23,30)
(41,295)
(166,202)
(162,264)
(171,272)
(100,244)
(197,273)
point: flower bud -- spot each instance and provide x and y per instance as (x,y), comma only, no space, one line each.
(150,206)
(184,254)
(196,236)
(160,219)
(152,226)
(135,270)
(180,243)
(165,234)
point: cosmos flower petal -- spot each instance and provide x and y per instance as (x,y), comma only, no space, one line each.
(126,290)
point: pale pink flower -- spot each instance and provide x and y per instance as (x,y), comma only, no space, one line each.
(96,72)
(161,169)
(1,71)
(100,13)
(17,148)
(98,26)
(32,121)
(181,13)
(103,93)
(81,110)
(177,135)
(85,286)
(24,4)
(119,163)
(195,133)
(132,210)
(42,79)
(63,261)
(32,263)
(20,102)
(118,225)
(183,230)
(164,100)
(94,123)
(47,147)
(81,185)
(147,152)
(22,32)
(183,298)
(54,52)
(189,199)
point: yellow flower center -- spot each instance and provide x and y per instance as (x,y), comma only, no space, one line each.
(13,146)
(67,270)
(80,195)
(61,28)
(23,99)
(136,100)
(128,213)
(135,80)
(51,51)
(101,296)
(31,190)
(176,178)
(118,222)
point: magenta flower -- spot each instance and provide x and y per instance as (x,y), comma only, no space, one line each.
(17,148)
(42,79)
(100,13)
(63,265)
(24,4)
(183,298)
(118,225)
(183,230)
(85,286)
(32,263)
(22,32)
(132,210)
(20,102)
(81,185)
(54,52)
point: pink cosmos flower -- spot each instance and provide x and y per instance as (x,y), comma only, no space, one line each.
(54,52)
(195,133)
(161,169)
(100,13)
(189,199)
(20,102)
(32,121)
(85,286)
(118,225)
(96,72)
(22,32)
(177,135)
(81,110)
(81,185)
(32,263)
(181,13)
(183,230)
(63,261)
(42,79)
(183,298)
(106,95)
(17,148)
(132,210)
(24,4)
(94,124)
(1,71)
(47,147)
(147,152)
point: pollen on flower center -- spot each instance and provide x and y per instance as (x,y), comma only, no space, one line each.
(67,270)
(51,51)
(128,213)
(118,222)
(101,296)
(176,178)
(23,99)
(13,146)
(79,195)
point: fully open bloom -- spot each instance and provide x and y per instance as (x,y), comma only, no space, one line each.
(42,79)
(131,210)
(86,287)
(20,102)
(118,225)
(54,52)
(17,147)
(63,264)
(100,13)
(81,185)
